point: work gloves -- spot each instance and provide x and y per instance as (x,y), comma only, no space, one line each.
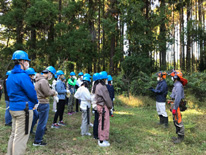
(174,112)
(152,89)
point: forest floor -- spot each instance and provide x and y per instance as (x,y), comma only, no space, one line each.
(133,130)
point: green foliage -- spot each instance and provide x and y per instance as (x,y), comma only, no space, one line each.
(140,83)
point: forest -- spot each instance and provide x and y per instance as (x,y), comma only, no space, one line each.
(127,38)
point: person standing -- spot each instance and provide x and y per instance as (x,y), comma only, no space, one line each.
(96,78)
(43,92)
(8,118)
(53,87)
(31,72)
(161,94)
(177,95)
(84,95)
(104,104)
(71,83)
(111,93)
(61,90)
(22,98)
(78,84)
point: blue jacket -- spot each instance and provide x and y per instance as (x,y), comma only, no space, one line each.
(61,90)
(161,91)
(20,90)
(111,91)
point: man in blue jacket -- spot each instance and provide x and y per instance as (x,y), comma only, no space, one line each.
(21,94)
(161,94)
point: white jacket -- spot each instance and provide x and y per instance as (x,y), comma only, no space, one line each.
(84,95)
(79,82)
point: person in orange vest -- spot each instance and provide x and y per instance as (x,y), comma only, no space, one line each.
(177,95)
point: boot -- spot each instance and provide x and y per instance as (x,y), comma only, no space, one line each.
(179,139)
(166,122)
(161,120)
(174,138)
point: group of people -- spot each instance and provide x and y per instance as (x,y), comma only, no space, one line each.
(27,102)
(177,102)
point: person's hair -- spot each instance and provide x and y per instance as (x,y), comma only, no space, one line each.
(109,82)
(86,84)
(102,82)
(95,84)
(16,62)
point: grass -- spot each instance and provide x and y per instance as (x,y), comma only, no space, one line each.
(133,130)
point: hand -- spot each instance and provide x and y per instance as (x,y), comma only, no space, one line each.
(113,99)
(68,92)
(174,112)
(152,89)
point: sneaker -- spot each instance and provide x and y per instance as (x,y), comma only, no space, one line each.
(91,124)
(107,142)
(88,134)
(61,123)
(103,144)
(112,115)
(39,144)
(55,125)
(73,112)
(70,113)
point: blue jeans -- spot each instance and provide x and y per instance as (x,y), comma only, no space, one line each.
(43,118)
(35,118)
(8,117)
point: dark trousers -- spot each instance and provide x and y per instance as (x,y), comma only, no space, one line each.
(60,111)
(96,123)
(77,105)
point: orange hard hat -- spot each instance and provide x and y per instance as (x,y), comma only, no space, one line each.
(176,73)
(162,74)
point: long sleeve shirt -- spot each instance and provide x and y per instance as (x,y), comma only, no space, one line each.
(177,94)
(84,95)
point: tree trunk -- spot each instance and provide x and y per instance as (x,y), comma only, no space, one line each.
(163,39)
(188,37)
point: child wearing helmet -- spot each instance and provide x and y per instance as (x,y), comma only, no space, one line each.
(96,80)
(104,104)
(83,94)
(62,91)
(111,93)
(71,84)
(31,72)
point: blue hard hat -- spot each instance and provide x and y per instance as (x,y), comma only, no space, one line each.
(30,71)
(86,78)
(59,72)
(103,75)
(72,74)
(8,73)
(20,55)
(87,74)
(109,77)
(51,69)
(96,76)
(55,76)
(80,74)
